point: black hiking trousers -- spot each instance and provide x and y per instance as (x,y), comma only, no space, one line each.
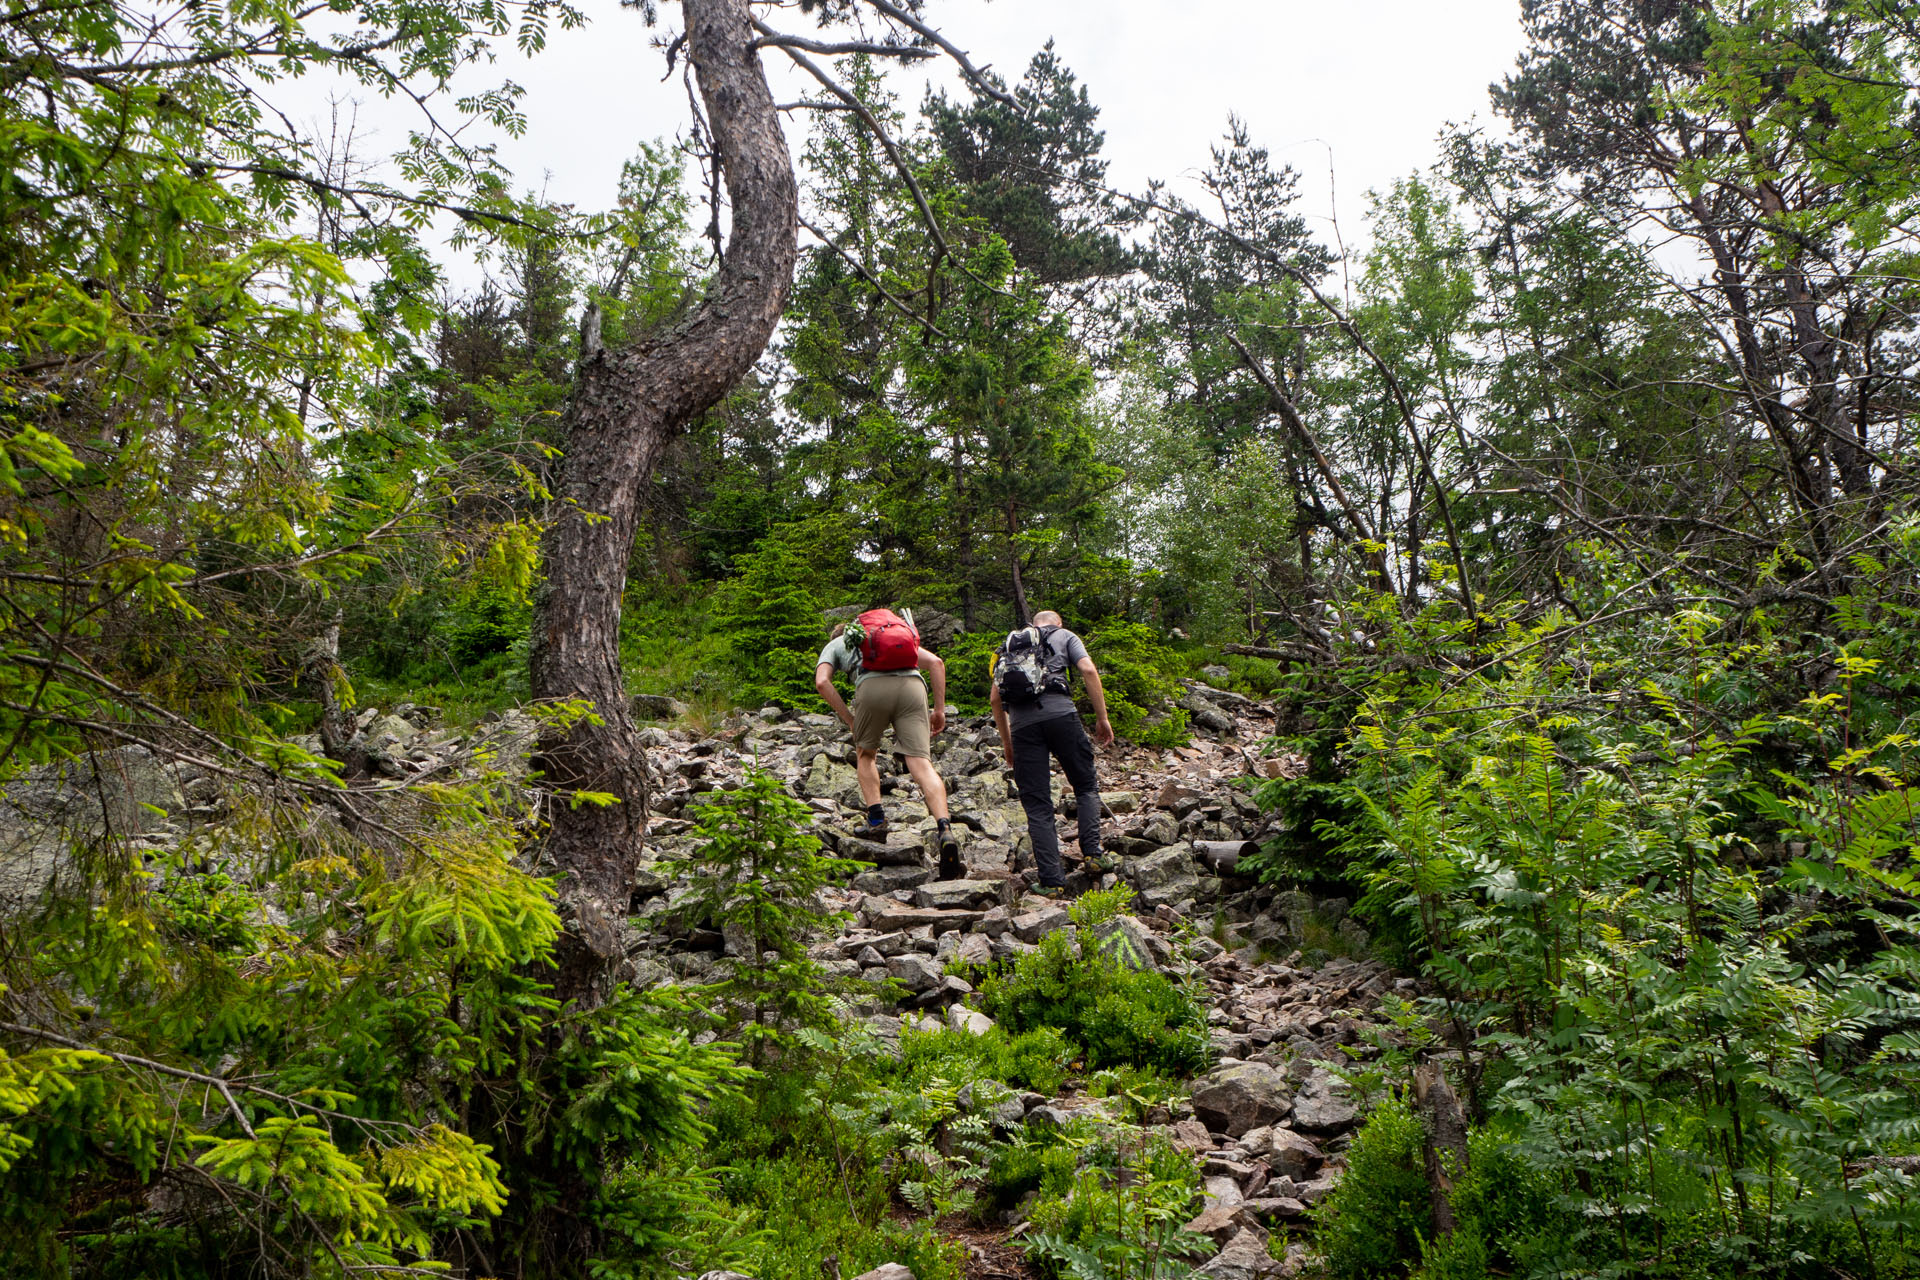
(1035,747)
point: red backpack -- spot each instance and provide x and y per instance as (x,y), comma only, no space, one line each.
(890,643)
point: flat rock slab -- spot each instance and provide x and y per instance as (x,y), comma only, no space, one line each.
(885,913)
(1221,1223)
(883,855)
(1276,1210)
(1220,1192)
(960,895)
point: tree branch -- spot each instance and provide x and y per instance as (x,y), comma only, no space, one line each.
(878,288)
(781,40)
(976,76)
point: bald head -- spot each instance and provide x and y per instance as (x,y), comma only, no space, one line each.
(1048,618)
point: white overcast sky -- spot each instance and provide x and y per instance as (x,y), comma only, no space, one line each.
(1364,86)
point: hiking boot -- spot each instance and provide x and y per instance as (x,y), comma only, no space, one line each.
(873,830)
(951,868)
(1051,892)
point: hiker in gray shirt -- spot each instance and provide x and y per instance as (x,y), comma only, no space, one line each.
(1038,723)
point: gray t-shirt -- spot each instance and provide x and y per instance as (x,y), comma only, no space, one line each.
(1051,705)
(842,656)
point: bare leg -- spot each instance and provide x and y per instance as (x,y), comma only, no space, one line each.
(931,786)
(867,766)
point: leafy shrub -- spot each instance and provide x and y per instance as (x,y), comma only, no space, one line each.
(1141,679)
(1121,1218)
(1137,1087)
(1378,1222)
(1036,1059)
(670,643)
(1098,906)
(489,618)
(1028,1165)
(389,1068)
(1372,1226)
(812,1158)
(1119,1016)
(1039,1059)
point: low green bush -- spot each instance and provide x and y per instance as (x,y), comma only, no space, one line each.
(1121,1216)
(1372,1226)
(809,1164)
(1379,1222)
(1017,1168)
(1038,1059)
(1119,1016)
(1141,679)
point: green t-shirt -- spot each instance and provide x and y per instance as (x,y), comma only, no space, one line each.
(842,656)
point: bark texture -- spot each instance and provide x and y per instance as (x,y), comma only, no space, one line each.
(626,406)
(1446,1144)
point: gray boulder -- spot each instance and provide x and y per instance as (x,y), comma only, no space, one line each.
(1207,715)
(1236,1099)
(1220,1192)
(1161,828)
(1127,941)
(886,1271)
(1287,1153)
(1170,864)
(880,854)
(916,972)
(887,879)
(1321,1105)
(658,706)
(1035,925)
(1245,1257)
(52,808)
(971,1021)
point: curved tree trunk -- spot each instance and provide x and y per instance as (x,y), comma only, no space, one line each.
(626,405)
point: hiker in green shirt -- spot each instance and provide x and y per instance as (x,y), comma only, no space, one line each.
(897,700)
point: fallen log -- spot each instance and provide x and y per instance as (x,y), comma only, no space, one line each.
(1279,653)
(1224,855)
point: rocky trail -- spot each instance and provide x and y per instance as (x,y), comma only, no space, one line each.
(1284,977)
(1268,1125)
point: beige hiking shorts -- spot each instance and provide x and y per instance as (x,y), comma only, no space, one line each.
(899,701)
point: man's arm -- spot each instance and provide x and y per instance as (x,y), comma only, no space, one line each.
(1000,722)
(936,670)
(823,685)
(1102,728)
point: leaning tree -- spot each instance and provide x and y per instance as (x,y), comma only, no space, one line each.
(628,403)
